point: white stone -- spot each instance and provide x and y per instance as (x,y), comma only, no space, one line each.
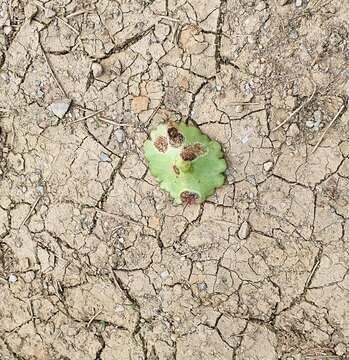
(164,274)
(104,157)
(120,135)
(12,279)
(244,230)
(309,124)
(97,69)
(60,107)
(267,166)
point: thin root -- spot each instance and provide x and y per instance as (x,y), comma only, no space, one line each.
(328,127)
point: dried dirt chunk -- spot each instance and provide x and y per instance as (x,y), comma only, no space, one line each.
(175,137)
(161,144)
(140,103)
(191,152)
(188,197)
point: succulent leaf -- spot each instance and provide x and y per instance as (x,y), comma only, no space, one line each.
(186,162)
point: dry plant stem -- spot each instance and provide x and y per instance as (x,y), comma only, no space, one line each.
(51,70)
(114,278)
(297,110)
(93,317)
(169,18)
(68,25)
(77,13)
(111,122)
(328,127)
(154,112)
(87,117)
(30,211)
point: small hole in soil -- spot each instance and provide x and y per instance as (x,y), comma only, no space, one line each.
(161,144)
(176,138)
(191,152)
(188,197)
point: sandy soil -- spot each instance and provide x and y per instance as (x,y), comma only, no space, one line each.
(96,263)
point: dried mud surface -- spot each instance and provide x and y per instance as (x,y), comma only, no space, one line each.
(96,263)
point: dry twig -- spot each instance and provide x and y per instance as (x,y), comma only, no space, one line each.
(51,70)
(328,127)
(86,117)
(93,318)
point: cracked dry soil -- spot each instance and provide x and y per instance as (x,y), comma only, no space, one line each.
(95,261)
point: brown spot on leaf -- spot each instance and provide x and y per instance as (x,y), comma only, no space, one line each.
(161,143)
(191,152)
(176,170)
(176,138)
(188,197)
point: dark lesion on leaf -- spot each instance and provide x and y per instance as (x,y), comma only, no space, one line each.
(176,170)
(188,197)
(161,144)
(175,137)
(191,152)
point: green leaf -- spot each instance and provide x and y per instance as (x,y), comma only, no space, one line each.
(186,162)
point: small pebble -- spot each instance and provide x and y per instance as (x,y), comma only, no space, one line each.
(317,115)
(104,157)
(119,308)
(40,93)
(244,230)
(39,189)
(309,124)
(219,88)
(293,34)
(97,69)
(120,135)
(164,274)
(12,279)
(60,107)
(299,3)
(202,286)
(267,166)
